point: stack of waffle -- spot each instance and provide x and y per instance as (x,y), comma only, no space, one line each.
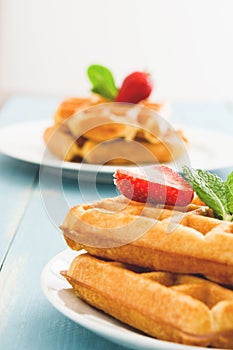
(165,271)
(99,132)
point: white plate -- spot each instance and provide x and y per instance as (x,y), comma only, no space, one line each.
(59,293)
(207,150)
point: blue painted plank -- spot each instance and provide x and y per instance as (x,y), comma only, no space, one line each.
(16,178)
(28,321)
(16,185)
(28,108)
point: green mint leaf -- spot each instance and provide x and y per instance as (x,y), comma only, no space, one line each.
(102,81)
(216,184)
(210,189)
(229,192)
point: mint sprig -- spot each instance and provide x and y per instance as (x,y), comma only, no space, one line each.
(212,190)
(229,192)
(102,81)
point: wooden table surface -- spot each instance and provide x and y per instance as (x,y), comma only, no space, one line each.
(29,239)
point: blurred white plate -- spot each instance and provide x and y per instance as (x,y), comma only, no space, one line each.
(207,149)
(59,293)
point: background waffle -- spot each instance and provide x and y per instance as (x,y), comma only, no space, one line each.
(113,133)
(173,307)
(74,105)
(154,237)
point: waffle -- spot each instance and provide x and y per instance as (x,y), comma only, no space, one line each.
(74,105)
(173,307)
(112,133)
(181,240)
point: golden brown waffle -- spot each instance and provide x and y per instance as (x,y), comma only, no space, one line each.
(113,133)
(152,237)
(168,306)
(74,105)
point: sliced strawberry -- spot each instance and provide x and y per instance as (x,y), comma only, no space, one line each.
(164,186)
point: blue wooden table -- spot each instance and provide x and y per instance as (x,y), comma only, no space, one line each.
(29,239)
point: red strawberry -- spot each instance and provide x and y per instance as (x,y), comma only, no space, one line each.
(136,87)
(164,186)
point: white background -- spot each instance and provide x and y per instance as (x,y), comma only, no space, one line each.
(186,45)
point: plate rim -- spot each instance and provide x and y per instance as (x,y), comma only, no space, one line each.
(127,336)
